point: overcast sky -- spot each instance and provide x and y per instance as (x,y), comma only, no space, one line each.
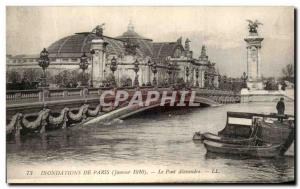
(221,29)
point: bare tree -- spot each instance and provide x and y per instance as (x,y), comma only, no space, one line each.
(288,73)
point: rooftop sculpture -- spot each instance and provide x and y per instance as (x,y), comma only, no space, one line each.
(253,26)
(98,30)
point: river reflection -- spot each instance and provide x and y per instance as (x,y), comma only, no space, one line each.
(158,138)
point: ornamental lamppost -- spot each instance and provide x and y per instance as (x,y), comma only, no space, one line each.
(83,65)
(231,83)
(187,73)
(154,70)
(92,52)
(113,68)
(219,80)
(44,62)
(149,70)
(244,78)
(197,76)
(225,83)
(136,69)
(169,71)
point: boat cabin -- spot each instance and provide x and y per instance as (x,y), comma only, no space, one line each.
(242,124)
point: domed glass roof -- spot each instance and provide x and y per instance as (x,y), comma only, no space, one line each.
(75,45)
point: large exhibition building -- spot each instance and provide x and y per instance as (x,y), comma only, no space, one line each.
(129,56)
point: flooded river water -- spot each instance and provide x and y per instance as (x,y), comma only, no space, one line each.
(157,139)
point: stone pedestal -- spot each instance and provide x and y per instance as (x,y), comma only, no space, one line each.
(98,61)
(255,85)
(43,94)
(265,96)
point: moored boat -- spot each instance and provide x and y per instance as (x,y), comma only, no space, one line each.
(264,151)
(250,134)
(57,120)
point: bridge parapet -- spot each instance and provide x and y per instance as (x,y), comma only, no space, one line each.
(38,95)
(219,96)
(22,94)
(216,92)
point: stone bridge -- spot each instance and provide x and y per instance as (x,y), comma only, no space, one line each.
(31,101)
(42,110)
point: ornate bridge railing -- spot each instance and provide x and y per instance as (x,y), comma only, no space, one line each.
(22,94)
(37,95)
(220,96)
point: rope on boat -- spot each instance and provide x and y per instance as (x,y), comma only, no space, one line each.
(254,132)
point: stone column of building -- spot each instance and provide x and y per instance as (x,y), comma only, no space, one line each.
(201,78)
(259,64)
(148,74)
(118,75)
(194,77)
(216,81)
(142,75)
(99,61)
(181,72)
(203,58)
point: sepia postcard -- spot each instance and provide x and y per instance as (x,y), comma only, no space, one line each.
(137,94)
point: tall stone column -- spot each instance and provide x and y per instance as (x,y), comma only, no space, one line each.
(99,61)
(259,64)
(254,60)
(148,70)
(202,79)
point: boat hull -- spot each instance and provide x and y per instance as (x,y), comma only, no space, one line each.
(243,150)
(224,139)
(277,133)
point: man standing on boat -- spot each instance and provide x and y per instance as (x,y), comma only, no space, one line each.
(280,109)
